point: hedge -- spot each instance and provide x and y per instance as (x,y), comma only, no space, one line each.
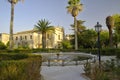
(20,67)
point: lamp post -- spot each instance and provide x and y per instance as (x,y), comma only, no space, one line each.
(98,28)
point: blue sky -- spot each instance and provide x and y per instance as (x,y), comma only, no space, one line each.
(28,13)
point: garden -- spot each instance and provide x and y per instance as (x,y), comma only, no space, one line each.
(106,70)
(19,66)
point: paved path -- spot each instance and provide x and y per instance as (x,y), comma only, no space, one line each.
(67,72)
(63,73)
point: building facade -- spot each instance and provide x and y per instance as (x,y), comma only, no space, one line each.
(33,39)
(4,37)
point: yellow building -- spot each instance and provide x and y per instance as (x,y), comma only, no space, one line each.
(32,39)
(4,37)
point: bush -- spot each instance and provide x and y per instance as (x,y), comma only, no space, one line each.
(81,58)
(87,68)
(118,54)
(12,56)
(109,70)
(105,51)
(20,67)
(2,46)
(16,51)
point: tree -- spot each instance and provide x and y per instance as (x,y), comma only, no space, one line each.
(12,2)
(116,35)
(116,23)
(104,38)
(116,39)
(43,27)
(66,44)
(2,46)
(110,25)
(87,38)
(74,7)
(80,26)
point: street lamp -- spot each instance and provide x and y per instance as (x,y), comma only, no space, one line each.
(98,28)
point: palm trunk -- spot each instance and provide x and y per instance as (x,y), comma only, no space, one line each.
(43,40)
(38,39)
(76,41)
(110,37)
(11,26)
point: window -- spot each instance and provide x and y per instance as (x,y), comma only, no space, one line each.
(20,37)
(16,38)
(58,37)
(25,37)
(30,36)
(48,36)
(0,35)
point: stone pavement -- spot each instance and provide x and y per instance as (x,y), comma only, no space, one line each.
(63,73)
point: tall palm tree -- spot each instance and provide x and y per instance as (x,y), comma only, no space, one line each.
(80,26)
(110,25)
(74,7)
(12,2)
(43,27)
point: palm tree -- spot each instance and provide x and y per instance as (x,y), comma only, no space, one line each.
(110,25)
(74,8)
(80,26)
(43,27)
(12,2)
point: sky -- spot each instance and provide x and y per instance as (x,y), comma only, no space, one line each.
(27,14)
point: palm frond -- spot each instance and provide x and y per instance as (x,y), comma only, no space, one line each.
(43,26)
(15,1)
(69,9)
(74,7)
(79,7)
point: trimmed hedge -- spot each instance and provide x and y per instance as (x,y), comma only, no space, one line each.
(20,67)
(13,56)
(16,51)
(105,51)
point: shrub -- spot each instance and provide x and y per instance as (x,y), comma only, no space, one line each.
(2,45)
(23,67)
(118,54)
(80,58)
(87,68)
(94,72)
(12,56)
(109,70)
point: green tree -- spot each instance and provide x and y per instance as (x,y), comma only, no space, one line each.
(110,25)
(43,27)
(2,45)
(74,7)
(116,36)
(66,44)
(116,23)
(104,38)
(80,26)
(12,2)
(87,38)
(116,39)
